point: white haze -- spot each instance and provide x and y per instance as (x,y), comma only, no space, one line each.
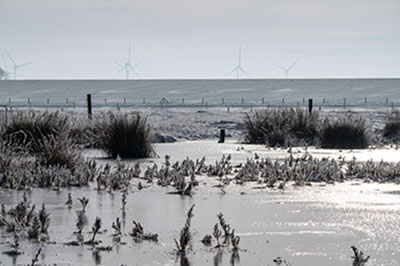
(200,39)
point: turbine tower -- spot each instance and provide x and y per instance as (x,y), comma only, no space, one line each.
(286,70)
(239,68)
(15,66)
(127,67)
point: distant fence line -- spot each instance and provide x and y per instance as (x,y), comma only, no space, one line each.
(203,103)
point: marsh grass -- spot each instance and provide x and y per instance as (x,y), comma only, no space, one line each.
(281,127)
(348,132)
(29,129)
(391,129)
(126,136)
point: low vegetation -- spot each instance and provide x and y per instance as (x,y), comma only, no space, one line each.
(126,136)
(391,130)
(348,132)
(281,127)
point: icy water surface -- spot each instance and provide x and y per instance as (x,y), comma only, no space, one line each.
(306,226)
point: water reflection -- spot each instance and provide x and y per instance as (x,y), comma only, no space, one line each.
(235,258)
(218,257)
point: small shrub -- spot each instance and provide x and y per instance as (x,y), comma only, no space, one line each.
(281,127)
(391,130)
(126,136)
(347,132)
(29,129)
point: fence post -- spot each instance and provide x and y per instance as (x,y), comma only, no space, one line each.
(89,105)
(262,100)
(221,136)
(228,109)
(283,100)
(73,105)
(242,100)
(66,100)
(124,100)
(310,105)
(344,103)
(323,100)
(105,100)
(366,100)
(387,100)
(9,100)
(183,100)
(202,101)
(392,105)
(251,107)
(48,100)
(144,100)
(223,101)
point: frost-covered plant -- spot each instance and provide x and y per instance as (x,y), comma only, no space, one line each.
(139,234)
(358,258)
(391,129)
(95,229)
(44,218)
(126,136)
(84,202)
(185,235)
(348,132)
(29,129)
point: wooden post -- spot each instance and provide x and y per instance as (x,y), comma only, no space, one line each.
(323,100)
(366,100)
(124,100)
(223,101)
(9,100)
(144,100)
(183,100)
(304,101)
(392,105)
(29,100)
(202,101)
(251,107)
(48,100)
(228,109)
(66,100)
(242,100)
(387,100)
(89,105)
(344,103)
(73,105)
(262,100)
(221,136)
(105,100)
(310,105)
(283,100)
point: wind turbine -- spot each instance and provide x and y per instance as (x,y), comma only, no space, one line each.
(239,68)
(4,73)
(127,67)
(15,66)
(286,70)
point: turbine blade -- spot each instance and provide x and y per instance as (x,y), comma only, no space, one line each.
(134,71)
(241,69)
(9,56)
(129,54)
(293,64)
(281,67)
(233,70)
(22,65)
(119,64)
(137,64)
(4,61)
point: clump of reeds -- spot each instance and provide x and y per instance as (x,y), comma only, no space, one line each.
(281,127)
(348,132)
(138,233)
(185,235)
(126,136)
(95,230)
(391,129)
(29,129)
(358,258)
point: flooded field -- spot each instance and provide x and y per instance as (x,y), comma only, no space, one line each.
(304,226)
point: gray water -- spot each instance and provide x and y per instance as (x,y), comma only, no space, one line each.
(210,91)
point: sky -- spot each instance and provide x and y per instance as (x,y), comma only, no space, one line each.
(82,39)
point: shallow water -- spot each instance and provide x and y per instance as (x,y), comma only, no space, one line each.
(306,226)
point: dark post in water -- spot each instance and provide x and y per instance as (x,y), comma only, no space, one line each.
(310,105)
(89,106)
(221,136)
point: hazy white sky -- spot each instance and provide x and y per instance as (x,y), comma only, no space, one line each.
(200,38)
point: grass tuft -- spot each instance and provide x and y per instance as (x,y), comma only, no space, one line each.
(347,132)
(126,136)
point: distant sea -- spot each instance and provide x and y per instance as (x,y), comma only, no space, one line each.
(208,90)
